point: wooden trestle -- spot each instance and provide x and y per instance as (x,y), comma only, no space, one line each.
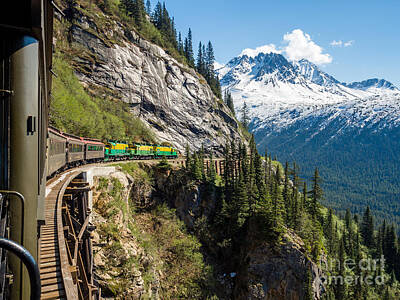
(65,249)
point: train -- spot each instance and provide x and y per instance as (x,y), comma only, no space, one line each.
(65,150)
(30,150)
(26,52)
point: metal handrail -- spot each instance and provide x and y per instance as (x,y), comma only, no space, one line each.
(28,261)
(22,198)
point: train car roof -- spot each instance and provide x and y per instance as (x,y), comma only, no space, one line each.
(92,142)
(57,132)
(75,140)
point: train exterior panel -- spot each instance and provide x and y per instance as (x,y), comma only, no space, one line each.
(76,151)
(116,150)
(165,151)
(94,150)
(57,152)
(25,84)
(144,150)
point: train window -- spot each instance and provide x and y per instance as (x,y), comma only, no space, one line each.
(95,148)
(75,148)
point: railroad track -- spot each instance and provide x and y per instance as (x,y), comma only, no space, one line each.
(53,271)
(59,259)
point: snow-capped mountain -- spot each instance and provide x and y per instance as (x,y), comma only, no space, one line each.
(279,92)
(371,83)
(351,131)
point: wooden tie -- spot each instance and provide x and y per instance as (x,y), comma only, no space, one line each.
(49,257)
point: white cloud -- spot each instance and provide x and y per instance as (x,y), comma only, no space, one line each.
(271,48)
(301,46)
(340,43)
(336,43)
(349,43)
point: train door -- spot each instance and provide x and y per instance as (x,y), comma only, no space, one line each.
(4,156)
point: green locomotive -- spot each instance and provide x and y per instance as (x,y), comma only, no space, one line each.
(115,150)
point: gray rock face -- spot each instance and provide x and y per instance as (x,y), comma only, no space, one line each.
(169,97)
(280,272)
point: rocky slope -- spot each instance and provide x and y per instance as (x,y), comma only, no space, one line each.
(172,99)
(141,249)
(267,271)
(277,272)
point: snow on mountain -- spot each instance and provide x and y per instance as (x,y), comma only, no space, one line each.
(279,93)
(373,83)
(350,131)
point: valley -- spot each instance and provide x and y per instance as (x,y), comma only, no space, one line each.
(348,130)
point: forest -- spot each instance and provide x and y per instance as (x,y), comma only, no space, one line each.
(258,198)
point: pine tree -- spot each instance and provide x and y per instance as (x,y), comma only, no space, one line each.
(138,13)
(285,192)
(328,230)
(180,44)
(340,284)
(211,174)
(196,168)
(188,157)
(229,101)
(241,202)
(157,16)
(200,65)
(308,289)
(189,49)
(245,115)
(202,162)
(209,59)
(367,228)
(259,180)
(391,250)
(304,202)
(148,7)
(316,195)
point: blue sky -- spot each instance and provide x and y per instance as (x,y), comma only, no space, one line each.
(370,28)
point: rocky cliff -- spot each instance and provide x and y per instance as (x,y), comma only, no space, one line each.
(172,99)
(268,271)
(278,272)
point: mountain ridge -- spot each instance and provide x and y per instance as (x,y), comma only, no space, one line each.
(348,130)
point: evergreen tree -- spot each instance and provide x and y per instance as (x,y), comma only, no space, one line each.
(295,196)
(259,180)
(180,45)
(200,65)
(316,195)
(211,175)
(209,59)
(138,13)
(285,192)
(340,289)
(229,101)
(202,162)
(188,157)
(367,228)
(157,16)
(245,115)
(391,250)
(328,230)
(308,289)
(189,49)
(241,202)
(148,7)
(196,168)
(304,202)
